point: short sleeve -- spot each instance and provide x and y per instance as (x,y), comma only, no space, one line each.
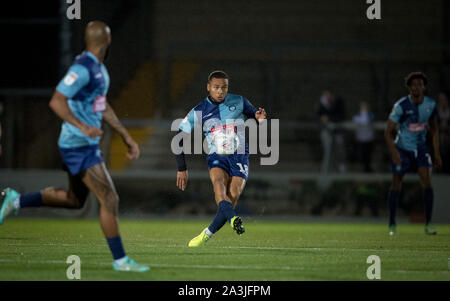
(187,125)
(76,78)
(249,109)
(396,113)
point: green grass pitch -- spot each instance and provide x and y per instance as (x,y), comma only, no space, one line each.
(37,249)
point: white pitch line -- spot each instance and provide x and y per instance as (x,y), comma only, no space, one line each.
(219,267)
(298,249)
(245,247)
(416,271)
(162,265)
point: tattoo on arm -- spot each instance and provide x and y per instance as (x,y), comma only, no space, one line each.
(111,118)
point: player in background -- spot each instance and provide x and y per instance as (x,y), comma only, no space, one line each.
(80,101)
(414,115)
(219,112)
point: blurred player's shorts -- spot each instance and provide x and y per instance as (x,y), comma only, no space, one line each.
(78,159)
(411,160)
(235,165)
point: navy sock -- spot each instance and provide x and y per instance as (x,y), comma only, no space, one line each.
(227,209)
(428,198)
(217,222)
(31,200)
(116,247)
(393,197)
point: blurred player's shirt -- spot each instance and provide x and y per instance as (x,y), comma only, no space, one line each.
(224,117)
(413,122)
(85,85)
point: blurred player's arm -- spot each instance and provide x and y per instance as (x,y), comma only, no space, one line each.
(185,128)
(59,105)
(110,117)
(252,112)
(388,136)
(75,79)
(182,173)
(434,132)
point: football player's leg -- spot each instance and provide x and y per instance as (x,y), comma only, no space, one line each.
(75,197)
(98,180)
(393,197)
(49,197)
(428,197)
(398,172)
(235,189)
(10,203)
(220,181)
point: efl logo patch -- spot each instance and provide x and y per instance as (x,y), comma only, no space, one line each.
(99,103)
(70,78)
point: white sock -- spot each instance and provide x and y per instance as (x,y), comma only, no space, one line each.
(120,260)
(16,203)
(209,233)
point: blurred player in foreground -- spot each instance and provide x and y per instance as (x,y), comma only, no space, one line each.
(414,115)
(217,115)
(80,101)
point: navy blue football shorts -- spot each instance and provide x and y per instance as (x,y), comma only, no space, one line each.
(412,160)
(235,165)
(78,159)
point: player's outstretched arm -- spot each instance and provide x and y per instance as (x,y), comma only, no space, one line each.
(390,128)
(110,118)
(59,105)
(434,132)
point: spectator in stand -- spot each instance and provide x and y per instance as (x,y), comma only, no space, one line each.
(331,113)
(364,135)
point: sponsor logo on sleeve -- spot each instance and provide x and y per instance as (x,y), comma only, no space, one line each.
(70,78)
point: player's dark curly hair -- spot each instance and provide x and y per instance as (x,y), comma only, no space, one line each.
(217,74)
(414,75)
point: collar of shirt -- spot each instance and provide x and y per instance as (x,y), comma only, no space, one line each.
(91,55)
(214,102)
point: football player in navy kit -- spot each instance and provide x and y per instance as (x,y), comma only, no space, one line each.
(411,118)
(218,114)
(80,101)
